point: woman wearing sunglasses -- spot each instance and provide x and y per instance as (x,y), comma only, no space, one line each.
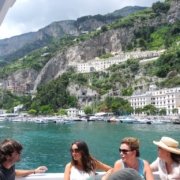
(129,152)
(82,166)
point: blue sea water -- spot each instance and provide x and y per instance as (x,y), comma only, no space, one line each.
(49,144)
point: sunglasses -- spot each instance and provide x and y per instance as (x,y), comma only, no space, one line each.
(76,150)
(124,151)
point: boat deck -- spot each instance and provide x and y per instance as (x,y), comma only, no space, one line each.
(56,176)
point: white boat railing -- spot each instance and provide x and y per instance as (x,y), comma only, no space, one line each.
(57,176)
(44,176)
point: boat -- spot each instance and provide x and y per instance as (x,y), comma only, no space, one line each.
(58,176)
(143,121)
(41,121)
(113,119)
(127,119)
(176,121)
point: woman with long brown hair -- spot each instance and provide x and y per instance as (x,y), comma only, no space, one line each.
(82,165)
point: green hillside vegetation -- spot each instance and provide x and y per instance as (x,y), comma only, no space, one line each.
(38,58)
(166,67)
(9,100)
(103,82)
(35,60)
(117,80)
(53,97)
(146,38)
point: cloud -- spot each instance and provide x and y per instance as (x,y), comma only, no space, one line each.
(31,15)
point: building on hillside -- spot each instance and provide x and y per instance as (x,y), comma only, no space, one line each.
(18,108)
(168,99)
(73,112)
(102,64)
(2,111)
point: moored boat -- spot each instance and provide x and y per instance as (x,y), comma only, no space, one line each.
(127,119)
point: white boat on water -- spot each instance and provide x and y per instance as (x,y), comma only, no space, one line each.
(113,119)
(127,119)
(41,121)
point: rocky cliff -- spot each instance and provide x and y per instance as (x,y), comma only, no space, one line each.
(110,41)
(114,40)
(18,46)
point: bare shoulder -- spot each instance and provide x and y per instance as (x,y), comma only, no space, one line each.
(146,163)
(68,165)
(117,165)
(118,162)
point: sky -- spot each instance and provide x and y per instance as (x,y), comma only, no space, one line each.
(31,15)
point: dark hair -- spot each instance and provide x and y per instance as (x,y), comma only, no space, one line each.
(133,144)
(175,157)
(7,147)
(88,161)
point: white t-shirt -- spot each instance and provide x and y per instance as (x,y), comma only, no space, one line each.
(160,166)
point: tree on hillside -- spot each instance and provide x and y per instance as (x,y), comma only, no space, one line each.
(160,7)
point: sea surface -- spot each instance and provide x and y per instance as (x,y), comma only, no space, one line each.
(49,144)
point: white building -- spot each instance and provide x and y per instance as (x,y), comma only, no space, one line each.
(102,64)
(168,99)
(4,7)
(18,108)
(73,112)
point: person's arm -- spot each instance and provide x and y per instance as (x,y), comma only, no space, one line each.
(102,166)
(154,165)
(148,172)
(21,172)
(67,171)
(117,166)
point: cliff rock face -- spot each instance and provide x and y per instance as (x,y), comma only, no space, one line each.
(55,67)
(109,41)
(84,95)
(18,46)
(21,81)
(174,12)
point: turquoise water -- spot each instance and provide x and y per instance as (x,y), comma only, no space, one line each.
(48,144)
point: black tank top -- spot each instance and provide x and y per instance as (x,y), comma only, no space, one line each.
(7,174)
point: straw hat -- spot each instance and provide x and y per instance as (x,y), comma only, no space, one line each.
(168,144)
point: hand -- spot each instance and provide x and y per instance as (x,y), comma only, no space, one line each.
(108,173)
(41,169)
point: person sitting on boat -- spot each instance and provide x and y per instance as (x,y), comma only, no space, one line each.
(129,151)
(82,165)
(168,162)
(10,153)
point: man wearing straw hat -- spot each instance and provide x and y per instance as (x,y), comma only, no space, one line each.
(168,162)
